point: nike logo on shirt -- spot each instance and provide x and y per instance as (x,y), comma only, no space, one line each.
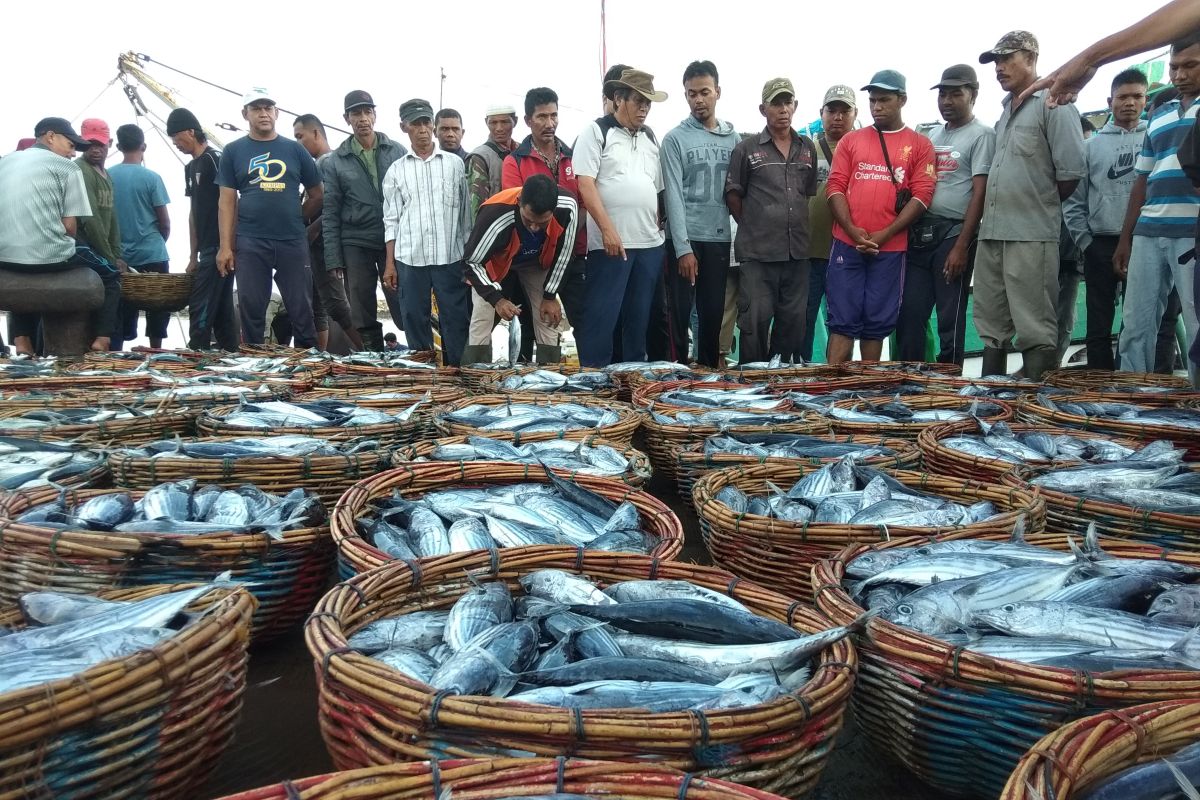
(1114,173)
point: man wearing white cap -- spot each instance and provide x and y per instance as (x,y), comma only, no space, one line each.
(262,221)
(485,169)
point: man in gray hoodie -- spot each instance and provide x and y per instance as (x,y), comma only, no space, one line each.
(695,158)
(1095,212)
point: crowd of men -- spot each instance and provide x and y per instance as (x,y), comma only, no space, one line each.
(628,237)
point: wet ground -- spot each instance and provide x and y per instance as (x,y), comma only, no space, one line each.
(278,738)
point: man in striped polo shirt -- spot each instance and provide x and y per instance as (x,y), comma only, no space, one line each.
(42,198)
(1160,222)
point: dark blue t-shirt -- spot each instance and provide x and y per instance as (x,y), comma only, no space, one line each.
(268,177)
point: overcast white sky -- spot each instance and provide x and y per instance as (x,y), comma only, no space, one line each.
(311,54)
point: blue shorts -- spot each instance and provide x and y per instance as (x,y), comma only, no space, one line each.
(863,293)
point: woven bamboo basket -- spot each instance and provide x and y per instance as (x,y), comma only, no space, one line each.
(947,461)
(772,551)
(162,422)
(274,390)
(620,431)
(663,442)
(151,725)
(297,382)
(1083,753)
(825,383)
(905,369)
(910,430)
(629,381)
(491,384)
(326,476)
(171,361)
(371,714)
(637,474)
(789,373)
(388,434)
(954,384)
(1185,438)
(155,291)
(647,396)
(431,398)
(474,376)
(413,480)
(401,383)
(508,777)
(286,576)
(67,380)
(961,720)
(1069,513)
(692,463)
(1098,380)
(339,366)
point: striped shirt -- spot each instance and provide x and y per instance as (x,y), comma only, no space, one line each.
(38,188)
(425,209)
(1171,201)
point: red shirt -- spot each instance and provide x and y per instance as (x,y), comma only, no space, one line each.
(525,162)
(860,173)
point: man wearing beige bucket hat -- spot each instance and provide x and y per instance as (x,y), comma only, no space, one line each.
(620,179)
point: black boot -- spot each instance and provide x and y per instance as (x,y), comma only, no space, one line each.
(1038,361)
(995,361)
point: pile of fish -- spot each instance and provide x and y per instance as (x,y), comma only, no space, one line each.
(645,367)
(543,380)
(281,446)
(41,418)
(897,412)
(653,645)
(280,366)
(723,419)
(586,459)
(1082,610)
(999,442)
(68,633)
(790,445)
(313,414)
(752,397)
(848,494)
(391,359)
(776,362)
(1155,482)
(532,418)
(180,507)
(25,463)
(1123,412)
(518,515)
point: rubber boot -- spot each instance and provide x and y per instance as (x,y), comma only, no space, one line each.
(477,354)
(995,361)
(548,353)
(1038,361)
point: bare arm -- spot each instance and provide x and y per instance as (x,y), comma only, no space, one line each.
(314,198)
(164,221)
(1066,189)
(1159,29)
(734,201)
(1137,199)
(227,224)
(956,259)
(591,199)
(70,225)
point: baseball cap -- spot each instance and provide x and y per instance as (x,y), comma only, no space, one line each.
(500,109)
(257,94)
(25,143)
(181,120)
(96,130)
(958,75)
(840,93)
(1010,42)
(61,127)
(358,98)
(889,80)
(775,87)
(415,109)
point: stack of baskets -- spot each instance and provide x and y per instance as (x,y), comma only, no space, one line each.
(621,431)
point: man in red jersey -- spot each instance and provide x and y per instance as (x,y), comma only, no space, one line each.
(882,179)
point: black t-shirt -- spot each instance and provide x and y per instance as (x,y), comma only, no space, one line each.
(200,177)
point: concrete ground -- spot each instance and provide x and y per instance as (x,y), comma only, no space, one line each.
(278,738)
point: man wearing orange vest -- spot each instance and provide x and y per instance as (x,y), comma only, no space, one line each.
(530,230)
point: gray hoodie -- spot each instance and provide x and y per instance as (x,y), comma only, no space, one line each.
(694,163)
(1097,207)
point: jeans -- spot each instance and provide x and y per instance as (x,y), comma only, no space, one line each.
(1102,284)
(454,307)
(772,291)
(924,288)
(1153,268)
(257,260)
(816,293)
(621,288)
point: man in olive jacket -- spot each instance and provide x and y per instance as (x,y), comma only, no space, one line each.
(352,217)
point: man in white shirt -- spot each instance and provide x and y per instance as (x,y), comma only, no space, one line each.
(426,222)
(625,238)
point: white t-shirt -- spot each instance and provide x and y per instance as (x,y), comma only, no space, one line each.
(629,177)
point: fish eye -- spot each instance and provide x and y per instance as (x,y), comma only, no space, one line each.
(904,608)
(1008,608)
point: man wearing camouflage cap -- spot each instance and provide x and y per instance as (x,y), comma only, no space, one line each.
(1037,164)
